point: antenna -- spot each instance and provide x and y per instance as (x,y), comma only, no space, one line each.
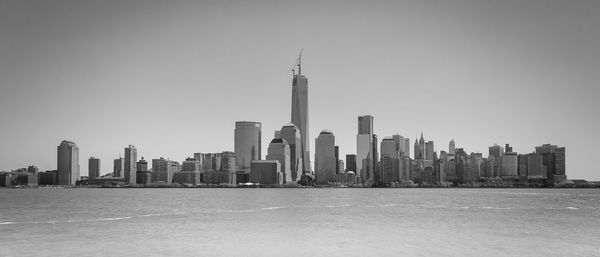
(300,62)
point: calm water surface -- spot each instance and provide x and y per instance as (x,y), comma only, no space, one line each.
(299,222)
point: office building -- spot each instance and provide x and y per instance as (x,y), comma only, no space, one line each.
(130,164)
(351,163)
(164,170)
(364,148)
(496,151)
(291,134)
(247,143)
(266,172)
(399,141)
(325,162)
(300,108)
(68,163)
(510,165)
(143,176)
(280,150)
(429,150)
(407,147)
(452,147)
(93,168)
(118,167)
(191,164)
(475,168)
(553,157)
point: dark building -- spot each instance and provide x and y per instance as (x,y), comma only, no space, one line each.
(143,176)
(266,172)
(351,163)
(49,177)
(93,167)
(553,157)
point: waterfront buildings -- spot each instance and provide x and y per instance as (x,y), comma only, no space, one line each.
(68,163)
(247,143)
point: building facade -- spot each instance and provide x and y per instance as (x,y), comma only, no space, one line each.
(130,164)
(67,163)
(247,143)
(325,161)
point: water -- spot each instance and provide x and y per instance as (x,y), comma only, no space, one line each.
(300,222)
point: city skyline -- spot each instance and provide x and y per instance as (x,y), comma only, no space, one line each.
(541,97)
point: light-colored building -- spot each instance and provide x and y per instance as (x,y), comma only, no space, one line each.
(118,167)
(325,161)
(291,134)
(130,164)
(93,167)
(364,148)
(280,150)
(399,141)
(68,163)
(452,147)
(247,143)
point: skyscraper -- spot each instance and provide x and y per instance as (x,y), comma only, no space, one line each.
(364,148)
(247,143)
(452,147)
(280,150)
(388,147)
(399,141)
(351,162)
(67,163)
(291,134)
(118,167)
(429,150)
(300,110)
(407,147)
(420,148)
(325,162)
(130,164)
(93,167)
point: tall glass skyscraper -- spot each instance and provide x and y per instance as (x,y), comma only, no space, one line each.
(300,112)
(364,148)
(325,161)
(130,164)
(67,163)
(247,143)
(292,136)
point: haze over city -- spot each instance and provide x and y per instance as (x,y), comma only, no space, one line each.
(172,78)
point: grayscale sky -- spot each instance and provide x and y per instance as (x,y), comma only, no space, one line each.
(172,77)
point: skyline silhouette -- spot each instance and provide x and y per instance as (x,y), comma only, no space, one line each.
(172,79)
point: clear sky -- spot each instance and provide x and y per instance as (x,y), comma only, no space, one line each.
(172,77)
